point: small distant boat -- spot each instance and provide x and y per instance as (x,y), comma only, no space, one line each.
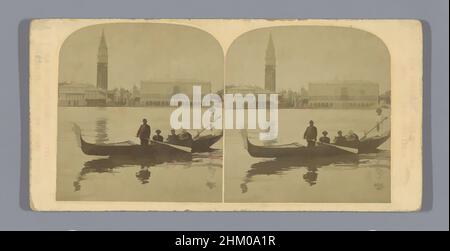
(295,150)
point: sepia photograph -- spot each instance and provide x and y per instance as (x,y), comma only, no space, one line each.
(115,142)
(224,124)
(333,143)
(225,115)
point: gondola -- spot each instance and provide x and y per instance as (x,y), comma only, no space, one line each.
(153,150)
(296,150)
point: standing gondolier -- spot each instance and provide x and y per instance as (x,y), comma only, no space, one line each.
(381,127)
(144,133)
(311,134)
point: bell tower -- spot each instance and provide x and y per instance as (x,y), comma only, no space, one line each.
(270,69)
(102,64)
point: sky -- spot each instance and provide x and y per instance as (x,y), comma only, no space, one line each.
(304,54)
(140,52)
(309,54)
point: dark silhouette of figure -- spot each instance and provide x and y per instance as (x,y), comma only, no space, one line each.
(183,139)
(352,137)
(311,175)
(324,138)
(339,140)
(158,136)
(380,119)
(144,133)
(244,187)
(143,175)
(185,136)
(311,134)
(173,137)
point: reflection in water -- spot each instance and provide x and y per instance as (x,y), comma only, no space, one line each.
(101,128)
(210,179)
(312,166)
(311,176)
(209,160)
(143,175)
(111,164)
(378,164)
(82,177)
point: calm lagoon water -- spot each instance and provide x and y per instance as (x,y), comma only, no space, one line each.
(96,178)
(246,179)
(362,179)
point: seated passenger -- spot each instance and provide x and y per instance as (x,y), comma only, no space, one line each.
(338,140)
(184,135)
(324,138)
(173,137)
(158,136)
(351,136)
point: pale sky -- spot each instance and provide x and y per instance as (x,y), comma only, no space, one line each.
(142,52)
(309,54)
(163,51)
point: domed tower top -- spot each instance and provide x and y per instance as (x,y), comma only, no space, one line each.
(102,55)
(270,52)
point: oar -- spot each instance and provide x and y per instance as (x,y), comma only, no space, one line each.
(348,149)
(373,128)
(203,129)
(182,148)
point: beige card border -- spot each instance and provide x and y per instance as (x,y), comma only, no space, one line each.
(403,38)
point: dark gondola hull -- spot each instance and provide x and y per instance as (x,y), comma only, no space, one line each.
(299,152)
(153,151)
(201,144)
(204,143)
(370,145)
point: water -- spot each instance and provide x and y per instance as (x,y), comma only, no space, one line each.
(365,179)
(94,178)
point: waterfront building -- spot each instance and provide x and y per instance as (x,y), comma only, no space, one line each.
(385,98)
(76,94)
(159,92)
(247,89)
(72,94)
(346,94)
(95,97)
(119,97)
(135,96)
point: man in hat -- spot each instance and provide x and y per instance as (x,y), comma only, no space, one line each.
(324,138)
(158,137)
(144,133)
(172,138)
(185,136)
(351,136)
(339,139)
(310,134)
